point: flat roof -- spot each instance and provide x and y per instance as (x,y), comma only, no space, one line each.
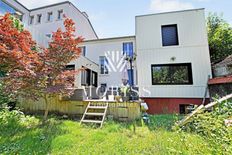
(179,11)
(113,38)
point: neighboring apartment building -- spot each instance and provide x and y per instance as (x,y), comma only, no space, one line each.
(172,65)
(41,22)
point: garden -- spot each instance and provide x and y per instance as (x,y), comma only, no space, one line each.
(34,72)
(25,134)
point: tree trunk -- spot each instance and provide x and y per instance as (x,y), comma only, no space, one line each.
(46,107)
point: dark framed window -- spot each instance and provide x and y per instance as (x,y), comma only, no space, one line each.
(31,19)
(88,77)
(50,16)
(172,74)
(59,16)
(70,67)
(170,35)
(39,18)
(94,79)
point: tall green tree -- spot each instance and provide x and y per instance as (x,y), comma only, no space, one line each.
(220,37)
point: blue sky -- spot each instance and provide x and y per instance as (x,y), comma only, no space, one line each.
(112,18)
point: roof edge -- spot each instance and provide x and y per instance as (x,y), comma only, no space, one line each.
(179,11)
(50,5)
(18,3)
(113,38)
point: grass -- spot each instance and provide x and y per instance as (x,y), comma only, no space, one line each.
(69,137)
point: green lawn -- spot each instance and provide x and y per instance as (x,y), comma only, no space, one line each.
(69,137)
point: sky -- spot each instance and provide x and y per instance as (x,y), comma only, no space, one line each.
(114,18)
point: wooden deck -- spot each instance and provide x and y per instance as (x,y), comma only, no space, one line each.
(126,111)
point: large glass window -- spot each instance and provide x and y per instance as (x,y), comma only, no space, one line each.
(103,65)
(176,74)
(170,35)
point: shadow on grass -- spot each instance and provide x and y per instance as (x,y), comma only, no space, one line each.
(29,139)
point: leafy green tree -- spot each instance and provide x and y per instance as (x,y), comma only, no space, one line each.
(220,37)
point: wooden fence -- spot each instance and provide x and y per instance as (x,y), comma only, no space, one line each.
(126,111)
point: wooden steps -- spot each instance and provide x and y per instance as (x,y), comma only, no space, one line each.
(95,114)
(91,121)
(90,111)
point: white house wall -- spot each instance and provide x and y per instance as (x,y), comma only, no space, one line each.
(83,27)
(97,48)
(193,48)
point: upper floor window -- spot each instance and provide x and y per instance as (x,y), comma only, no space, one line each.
(83,50)
(172,74)
(50,17)
(31,20)
(128,48)
(170,35)
(60,12)
(39,17)
(103,65)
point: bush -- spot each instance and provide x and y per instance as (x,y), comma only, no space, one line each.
(211,125)
(14,121)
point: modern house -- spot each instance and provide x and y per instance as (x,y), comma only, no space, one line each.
(172,62)
(173,58)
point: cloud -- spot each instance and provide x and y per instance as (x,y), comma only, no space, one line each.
(169,5)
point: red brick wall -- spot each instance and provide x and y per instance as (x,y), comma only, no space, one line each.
(168,105)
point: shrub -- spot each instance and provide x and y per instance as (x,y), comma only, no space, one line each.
(211,125)
(15,121)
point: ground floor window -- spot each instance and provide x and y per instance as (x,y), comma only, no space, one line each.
(172,74)
(89,77)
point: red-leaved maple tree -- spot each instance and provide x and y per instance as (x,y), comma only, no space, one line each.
(34,72)
(54,78)
(18,57)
